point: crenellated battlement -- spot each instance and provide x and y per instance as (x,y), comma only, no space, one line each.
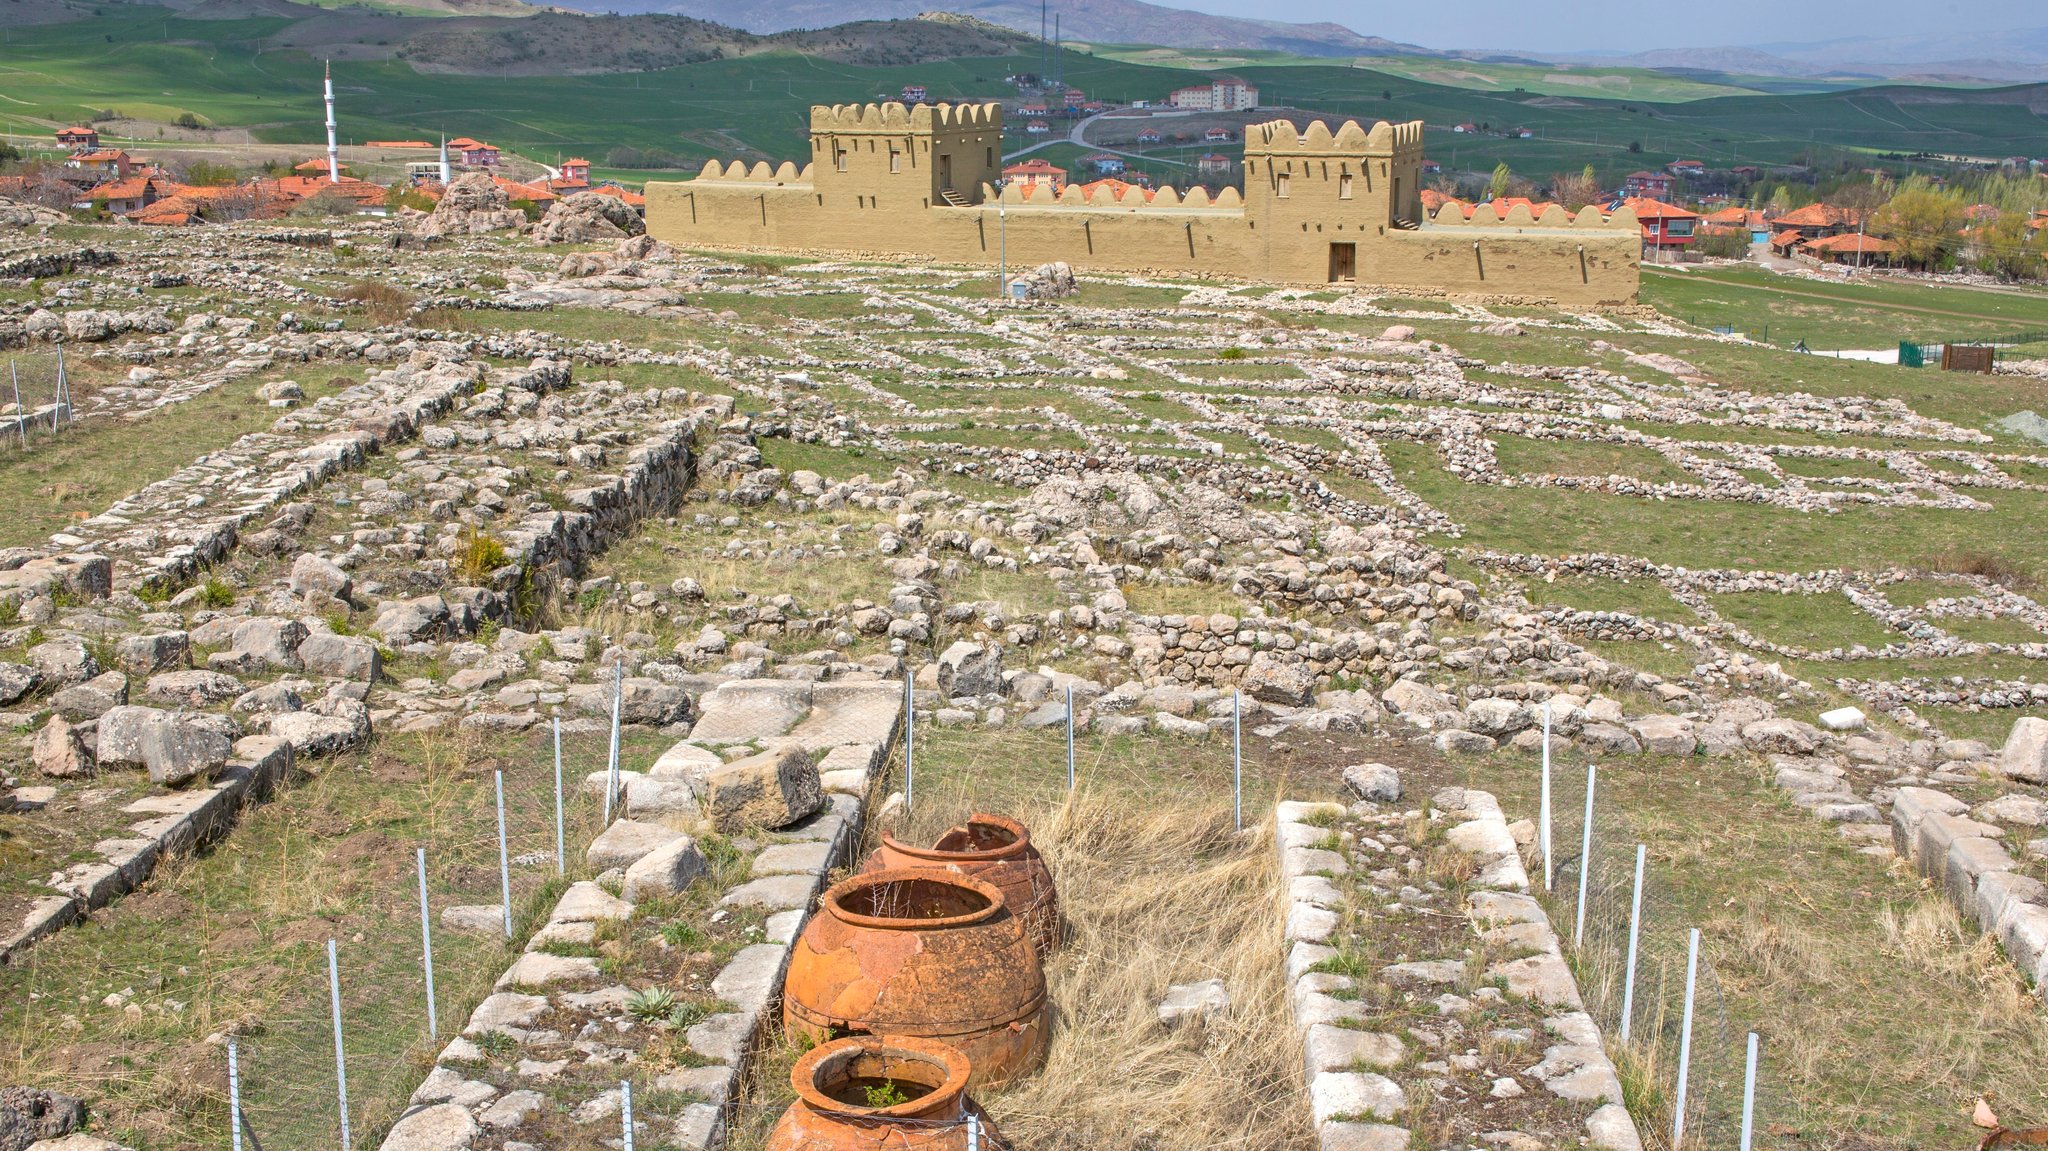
(1319,204)
(1554,216)
(1101,199)
(1282,138)
(894,117)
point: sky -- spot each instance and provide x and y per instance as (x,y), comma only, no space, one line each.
(1467,24)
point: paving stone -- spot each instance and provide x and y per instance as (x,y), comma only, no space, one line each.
(627,841)
(1357,1094)
(773,891)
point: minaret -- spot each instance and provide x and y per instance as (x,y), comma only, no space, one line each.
(333,152)
(445,175)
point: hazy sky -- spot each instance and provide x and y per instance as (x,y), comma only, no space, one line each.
(1567,27)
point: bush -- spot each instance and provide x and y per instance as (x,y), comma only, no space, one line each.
(188,120)
(532,210)
(216,593)
(383,303)
(481,555)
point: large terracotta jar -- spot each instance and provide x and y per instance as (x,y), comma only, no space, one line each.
(838,1084)
(923,954)
(995,850)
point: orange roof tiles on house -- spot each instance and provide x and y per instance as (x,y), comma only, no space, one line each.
(1730,217)
(576,160)
(123,189)
(1115,190)
(396,144)
(1853,243)
(1786,238)
(100,155)
(465,143)
(1648,209)
(632,199)
(1816,216)
(1034,167)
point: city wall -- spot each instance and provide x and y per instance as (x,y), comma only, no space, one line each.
(1319,207)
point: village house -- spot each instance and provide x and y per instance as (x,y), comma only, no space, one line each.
(1746,173)
(76,138)
(576,170)
(1851,248)
(1666,227)
(1689,169)
(1031,111)
(97,166)
(1106,163)
(317,166)
(1217,136)
(1037,128)
(1034,172)
(473,153)
(1150,136)
(1073,98)
(126,196)
(1813,222)
(1212,164)
(1223,94)
(1521,133)
(1432,168)
(1466,129)
(1645,185)
(1736,218)
(915,94)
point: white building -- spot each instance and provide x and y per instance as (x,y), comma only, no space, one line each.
(1226,94)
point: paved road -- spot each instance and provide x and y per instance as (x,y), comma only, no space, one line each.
(1077,136)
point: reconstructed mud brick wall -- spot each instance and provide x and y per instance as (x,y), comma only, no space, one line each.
(1319,207)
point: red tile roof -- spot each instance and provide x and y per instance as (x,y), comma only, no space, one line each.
(1034,167)
(1816,216)
(1648,209)
(100,155)
(1852,242)
(632,199)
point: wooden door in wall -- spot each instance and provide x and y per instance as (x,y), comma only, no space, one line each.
(1343,263)
(946,170)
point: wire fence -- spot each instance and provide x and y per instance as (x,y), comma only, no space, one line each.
(291,1092)
(35,401)
(1671,1050)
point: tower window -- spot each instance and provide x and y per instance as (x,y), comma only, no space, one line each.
(1280,186)
(839,159)
(895,160)
(1344,186)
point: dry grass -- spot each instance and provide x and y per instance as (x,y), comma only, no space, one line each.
(383,303)
(1154,894)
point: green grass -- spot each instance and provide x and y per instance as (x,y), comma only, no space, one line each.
(1641,597)
(1521,456)
(1835,315)
(1819,621)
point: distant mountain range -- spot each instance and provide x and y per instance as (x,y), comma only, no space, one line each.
(1102,21)
(2015,56)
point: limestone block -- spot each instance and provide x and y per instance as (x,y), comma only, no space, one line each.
(628,841)
(2025,755)
(770,790)
(665,870)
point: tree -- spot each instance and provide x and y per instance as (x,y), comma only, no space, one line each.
(1575,191)
(2003,249)
(8,153)
(1925,224)
(188,120)
(1498,186)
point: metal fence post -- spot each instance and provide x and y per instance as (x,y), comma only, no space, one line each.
(234,1098)
(973,1132)
(340,1060)
(1749,1092)
(20,417)
(1237,755)
(909,738)
(611,776)
(1543,805)
(1692,967)
(427,949)
(1635,925)
(504,858)
(1585,858)
(1070,737)
(626,1111)
(561,856)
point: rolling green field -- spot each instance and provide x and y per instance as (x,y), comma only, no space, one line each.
(1826,315)
(223,72)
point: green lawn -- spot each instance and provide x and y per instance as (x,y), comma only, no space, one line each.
(1826,315)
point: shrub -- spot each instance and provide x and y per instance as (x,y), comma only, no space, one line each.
(650,1004)
(1233,353)
(216,593)
(383,303)
(188,120)
(481,555)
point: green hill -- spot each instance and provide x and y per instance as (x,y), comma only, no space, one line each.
(740,94)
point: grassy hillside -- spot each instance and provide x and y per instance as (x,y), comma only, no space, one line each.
(260,73)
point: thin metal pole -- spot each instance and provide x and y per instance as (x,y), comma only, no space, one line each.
(504,859)
(1543,808)
(1070,738)
(561,859)
(1635,924)
(427,949)
(235,1097)
(909,739)
(1237,755)
(1692,965)
(340,1060)
(63,389)
(626,1111)
(611,777)
(973,1132)
(1585,857)
(1749,1092)
(20,417)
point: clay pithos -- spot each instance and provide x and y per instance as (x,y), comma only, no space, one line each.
(865,1093)
(995,850)
(926,954)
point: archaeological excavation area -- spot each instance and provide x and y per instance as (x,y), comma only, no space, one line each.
(473,691)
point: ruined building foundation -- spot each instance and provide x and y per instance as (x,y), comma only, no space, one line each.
(1318,208)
